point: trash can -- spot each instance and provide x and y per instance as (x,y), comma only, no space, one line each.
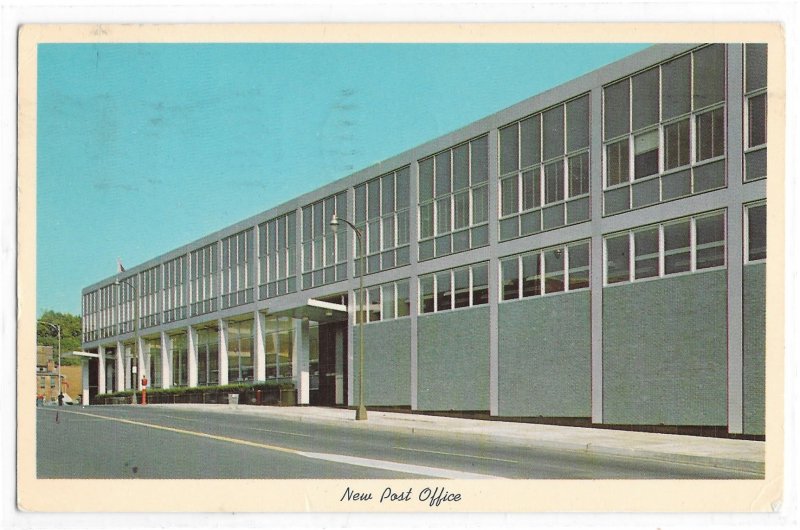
(233,399)
(288,397)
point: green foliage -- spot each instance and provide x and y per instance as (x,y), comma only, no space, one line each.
(70,333)
(239,387)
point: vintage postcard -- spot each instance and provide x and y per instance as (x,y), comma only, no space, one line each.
(401,268)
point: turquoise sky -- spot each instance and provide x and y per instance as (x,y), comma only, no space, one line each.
(145,147)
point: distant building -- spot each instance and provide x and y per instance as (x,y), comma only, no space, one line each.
(594,254)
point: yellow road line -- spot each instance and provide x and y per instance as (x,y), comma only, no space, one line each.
(456,454)
(192,433)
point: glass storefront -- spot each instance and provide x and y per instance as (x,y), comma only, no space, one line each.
(240,351)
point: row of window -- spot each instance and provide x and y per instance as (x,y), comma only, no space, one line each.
(385,302)
(455,288)
(382,215)
(324,251)
(454,199)
(684,245)
(677,246)
(553,270)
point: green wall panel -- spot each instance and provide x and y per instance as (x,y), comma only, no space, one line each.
(453,360)
(545,356)
(665,351)
(754,342)
(387,362)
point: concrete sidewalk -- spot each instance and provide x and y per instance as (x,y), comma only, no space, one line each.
(739,455)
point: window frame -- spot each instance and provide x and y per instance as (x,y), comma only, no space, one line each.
(662,272)
(693,115)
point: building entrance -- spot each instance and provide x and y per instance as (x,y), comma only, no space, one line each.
(331,389)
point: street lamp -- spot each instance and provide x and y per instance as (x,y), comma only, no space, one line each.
(361,412)
(58,330)
(117,281)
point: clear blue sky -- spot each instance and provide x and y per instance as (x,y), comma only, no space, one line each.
(146,147)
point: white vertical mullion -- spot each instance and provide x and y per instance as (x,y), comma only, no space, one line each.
(540,258)
(631,256)
(566,268)
(661,271)
(692,245)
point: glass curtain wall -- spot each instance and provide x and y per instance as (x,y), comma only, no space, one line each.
(180,360)
(278,344)
(207,356)
(153,369)
(240,351)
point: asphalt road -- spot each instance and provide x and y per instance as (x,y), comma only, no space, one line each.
(159,443)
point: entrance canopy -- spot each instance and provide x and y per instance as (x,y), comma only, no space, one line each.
(317,311)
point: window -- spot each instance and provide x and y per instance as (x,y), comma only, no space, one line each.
(150,306)
(646,259)
(672,118)
(174,297)
(645,161)
(566,268)
(203,269)
(180,360)
(755,150)
(237,272)
(617,162)
(710,235)
(678,246)
(277,256)
(509,269)
(240,351)
(456,288)
(382,214)
(676,144)
(278,346)
(454,199)
(325,252)
(544,170)
(617,259)
(710,134)
(207,356)
(756,232)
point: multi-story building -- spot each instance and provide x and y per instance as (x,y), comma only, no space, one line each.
(595,254)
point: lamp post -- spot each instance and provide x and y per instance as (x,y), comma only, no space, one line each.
(135,334)
(361,411)
(58,331)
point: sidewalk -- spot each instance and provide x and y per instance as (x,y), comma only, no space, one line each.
(740,455)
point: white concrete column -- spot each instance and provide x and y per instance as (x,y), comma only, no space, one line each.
(166,360)
(85,381)
(122,364)
(300,360)
(142,364)
(101,370)
(259,362)
(191,355)
(223,351)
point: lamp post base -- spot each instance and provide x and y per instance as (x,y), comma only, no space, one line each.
(361,412)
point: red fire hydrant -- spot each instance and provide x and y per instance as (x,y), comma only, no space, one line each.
(144,390)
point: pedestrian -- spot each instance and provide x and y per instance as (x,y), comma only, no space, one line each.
(61,399)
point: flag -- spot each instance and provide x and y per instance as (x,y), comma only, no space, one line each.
(120,268)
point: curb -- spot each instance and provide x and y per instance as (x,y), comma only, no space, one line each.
(733,464)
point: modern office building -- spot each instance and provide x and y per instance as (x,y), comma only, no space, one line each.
(594,253)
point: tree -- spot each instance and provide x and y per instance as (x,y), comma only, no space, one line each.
(70,333)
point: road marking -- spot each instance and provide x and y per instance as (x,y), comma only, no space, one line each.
(193,433)
(277,432)
(396,466)
(239,426)
(342,459)
(456,454)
